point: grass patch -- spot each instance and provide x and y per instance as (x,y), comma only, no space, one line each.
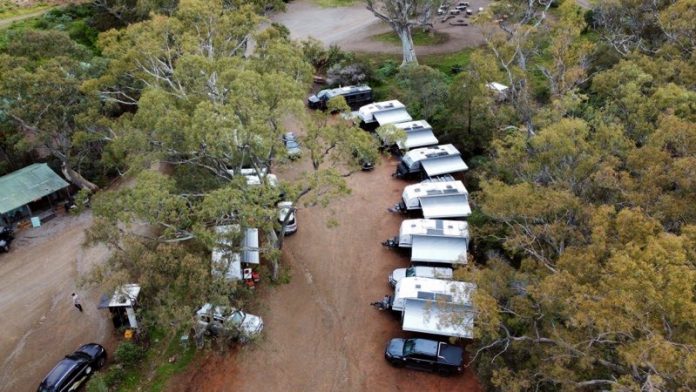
(10,10)
(445,62)
(154,371)
(334,3)
(420,38)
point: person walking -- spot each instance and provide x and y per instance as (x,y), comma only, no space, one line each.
(76,301)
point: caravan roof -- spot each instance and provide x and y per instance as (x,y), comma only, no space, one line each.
(418,134)
(334,92)
(434,228)
(413,126)
(429,289)
(386,112)
(125,295)
(432,189)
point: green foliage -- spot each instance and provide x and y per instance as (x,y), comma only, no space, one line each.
(424,90)
(129,354)
(322,58)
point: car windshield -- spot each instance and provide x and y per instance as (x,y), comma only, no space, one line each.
(292,144)
(409,347)
(237,318)
(410,272)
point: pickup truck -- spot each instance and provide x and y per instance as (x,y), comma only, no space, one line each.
(425,354)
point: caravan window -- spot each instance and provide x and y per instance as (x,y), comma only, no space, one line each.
(410,272)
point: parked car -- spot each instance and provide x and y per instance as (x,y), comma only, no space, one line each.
(6,237)
(74,370)
(285,208)
(291,145)
(425,354)
(220,321)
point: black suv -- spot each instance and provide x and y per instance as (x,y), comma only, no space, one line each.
(73,370)
(425,354)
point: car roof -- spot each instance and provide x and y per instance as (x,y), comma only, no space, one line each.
(425,346)
(62,368)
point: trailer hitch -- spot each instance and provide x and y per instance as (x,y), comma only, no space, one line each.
(395,208)
(390,243)
(383,304)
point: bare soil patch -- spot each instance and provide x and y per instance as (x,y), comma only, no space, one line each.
(38,321)
(353,28)
(320,332)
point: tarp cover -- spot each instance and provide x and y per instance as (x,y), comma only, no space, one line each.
(443,165)
(432,249)
(449,206)
(392,116)
(435,318)
(27,185)
(417,139)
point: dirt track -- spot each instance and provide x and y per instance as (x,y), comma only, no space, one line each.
(38,322)
(352,27)
(320,332)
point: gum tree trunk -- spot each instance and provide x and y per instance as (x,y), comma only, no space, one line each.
(409,51)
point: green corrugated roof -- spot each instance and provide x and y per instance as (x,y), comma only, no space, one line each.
(28,184)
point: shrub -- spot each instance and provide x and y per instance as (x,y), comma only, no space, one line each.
(129,354)
(355,73)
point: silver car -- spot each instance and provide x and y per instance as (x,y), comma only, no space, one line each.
(291,145)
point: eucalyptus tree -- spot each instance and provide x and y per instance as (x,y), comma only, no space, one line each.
(403,16)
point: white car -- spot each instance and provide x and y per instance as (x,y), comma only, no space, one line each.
(219,320)
(285,208)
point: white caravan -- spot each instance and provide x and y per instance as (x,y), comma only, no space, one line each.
(418,134)
(433,161)
(436,199)
(435,306)
(382,113)
(433,240)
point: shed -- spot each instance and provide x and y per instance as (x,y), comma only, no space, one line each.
(27,185)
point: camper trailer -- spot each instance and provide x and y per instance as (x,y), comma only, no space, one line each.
(434,306)
(436,199)
(420,271)
(418,134)
(431,162)
(382,113)
(122,305)
(356,96)
(433,240)
(229,263)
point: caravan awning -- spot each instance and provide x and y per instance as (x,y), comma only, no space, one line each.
(438,319)
(433,249)
(417,139)
(444,165)
(392,117)
(449,206)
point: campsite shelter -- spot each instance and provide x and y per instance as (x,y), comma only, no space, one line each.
(34,186)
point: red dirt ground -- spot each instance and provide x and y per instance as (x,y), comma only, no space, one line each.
(320,332)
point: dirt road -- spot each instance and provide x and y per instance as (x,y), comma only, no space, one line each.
(352,27)
(320,332)
(38,322)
